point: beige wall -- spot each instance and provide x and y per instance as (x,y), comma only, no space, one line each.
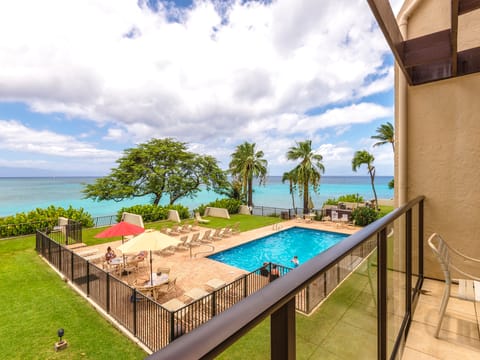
(444,149)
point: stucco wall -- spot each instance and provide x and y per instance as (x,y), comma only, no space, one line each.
(444,144)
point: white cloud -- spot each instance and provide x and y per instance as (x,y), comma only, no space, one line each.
(17,137)
(250,74)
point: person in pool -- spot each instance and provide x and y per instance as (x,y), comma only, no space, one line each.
(295,261)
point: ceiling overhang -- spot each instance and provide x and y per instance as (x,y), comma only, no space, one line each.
(433,56)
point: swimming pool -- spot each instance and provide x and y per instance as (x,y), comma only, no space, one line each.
(279,248)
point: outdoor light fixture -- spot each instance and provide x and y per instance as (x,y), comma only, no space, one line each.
(60,344)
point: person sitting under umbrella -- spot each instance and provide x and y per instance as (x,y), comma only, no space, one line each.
(110,254)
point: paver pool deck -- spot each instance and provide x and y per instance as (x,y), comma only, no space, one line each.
(193,269)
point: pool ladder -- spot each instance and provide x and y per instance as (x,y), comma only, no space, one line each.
(212,249)
(276,226)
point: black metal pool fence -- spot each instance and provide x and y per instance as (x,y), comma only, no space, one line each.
(154,325)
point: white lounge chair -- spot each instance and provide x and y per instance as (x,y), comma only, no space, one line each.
(468,287)
(206,238)
(200,220)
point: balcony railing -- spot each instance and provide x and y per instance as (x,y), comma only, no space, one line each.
(394,269)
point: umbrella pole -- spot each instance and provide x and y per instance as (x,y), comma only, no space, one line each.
(151,268)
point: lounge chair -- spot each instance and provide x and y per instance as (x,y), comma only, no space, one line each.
(200,220)
(236,228)
(447,257)
(194,240)
(186,228)
(184,243)
(175,230)
(217,235)
(194,226)
(206,238)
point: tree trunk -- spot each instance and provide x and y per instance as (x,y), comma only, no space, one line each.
(293,198)
(250,192)
(372,180)
(305,198)
(157,199)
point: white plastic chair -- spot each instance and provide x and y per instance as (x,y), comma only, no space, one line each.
(444,254)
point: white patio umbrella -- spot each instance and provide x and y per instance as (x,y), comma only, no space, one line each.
(152,240)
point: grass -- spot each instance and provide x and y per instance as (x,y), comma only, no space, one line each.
(344,327)
(247,222)
(36,303)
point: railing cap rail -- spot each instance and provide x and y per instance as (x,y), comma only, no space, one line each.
(214,336)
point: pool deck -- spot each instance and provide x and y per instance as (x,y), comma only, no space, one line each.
(194,270)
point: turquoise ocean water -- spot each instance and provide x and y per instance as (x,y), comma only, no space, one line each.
(25,194)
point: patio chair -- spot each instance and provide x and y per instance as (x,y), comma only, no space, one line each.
(184,243)
(446,256)
(236,228)
(194,240)
(206,238)
(217,235)
(200,220)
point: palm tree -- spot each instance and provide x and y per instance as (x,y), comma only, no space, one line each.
(292,180)
(308,171)
(363,157)
(246,164)
(386,134)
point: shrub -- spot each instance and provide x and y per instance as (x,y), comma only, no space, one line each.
(232,205)
(27,223)
(152,213)
(364,216)
(354,198)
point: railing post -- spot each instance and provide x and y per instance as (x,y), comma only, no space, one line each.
(172,327)
(282,332)
(408,263)
(420,239)
(88,278)
(382,295)
(134,302)
(71,265)
(214,303)
(107,305)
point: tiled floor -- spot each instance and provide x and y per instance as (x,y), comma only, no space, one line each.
(459,337)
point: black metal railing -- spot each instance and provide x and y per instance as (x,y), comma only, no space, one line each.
(144,318)
(393,250)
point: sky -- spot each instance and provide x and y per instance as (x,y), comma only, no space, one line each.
(83,80)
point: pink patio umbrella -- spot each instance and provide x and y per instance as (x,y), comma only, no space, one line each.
(122,229)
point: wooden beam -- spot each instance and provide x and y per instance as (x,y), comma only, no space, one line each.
(454,35)
(388,24)
(428,49)
(465,6)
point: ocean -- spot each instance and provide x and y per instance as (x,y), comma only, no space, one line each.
(25,194)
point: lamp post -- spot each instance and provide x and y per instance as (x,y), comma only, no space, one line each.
(60,344)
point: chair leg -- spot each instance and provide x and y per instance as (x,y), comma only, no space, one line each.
(443,307)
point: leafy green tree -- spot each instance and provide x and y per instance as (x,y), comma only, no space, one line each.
(246,164)
(385,135)
(155,168)
(234,190)
(363,157)
(391,184)
(308,172)
(291,177)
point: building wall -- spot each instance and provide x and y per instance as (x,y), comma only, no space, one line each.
(444,145)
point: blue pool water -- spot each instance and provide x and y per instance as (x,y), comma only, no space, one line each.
(279,248)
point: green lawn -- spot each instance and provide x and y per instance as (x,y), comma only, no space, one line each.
(247,222)
(344,327)
(36,303)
